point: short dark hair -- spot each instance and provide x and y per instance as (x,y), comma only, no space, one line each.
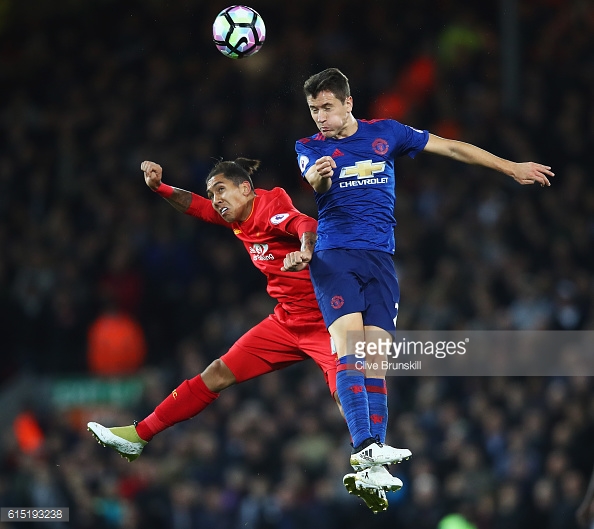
(238,170)
(331,79)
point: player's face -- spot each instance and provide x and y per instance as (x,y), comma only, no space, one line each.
(232,202)
(332,116)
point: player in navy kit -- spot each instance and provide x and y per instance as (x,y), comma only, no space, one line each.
(350,165)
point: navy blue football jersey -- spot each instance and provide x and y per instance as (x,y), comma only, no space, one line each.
(357,212)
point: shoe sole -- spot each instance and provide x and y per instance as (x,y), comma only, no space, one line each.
(128,457)
(362,465)
(388,488)
(373,501)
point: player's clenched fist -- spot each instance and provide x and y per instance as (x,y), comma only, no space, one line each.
(325,166)
(295,261)
(153,173)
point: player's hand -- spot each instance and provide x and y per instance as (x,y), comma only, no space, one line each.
(532,173)
(325,166)
(153,173)
(296,261)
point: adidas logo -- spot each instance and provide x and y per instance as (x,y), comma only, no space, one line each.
(337,153)
(367,454)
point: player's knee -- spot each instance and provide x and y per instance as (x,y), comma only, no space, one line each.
(217,376)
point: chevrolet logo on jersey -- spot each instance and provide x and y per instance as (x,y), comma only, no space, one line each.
(365,172)
(364,169)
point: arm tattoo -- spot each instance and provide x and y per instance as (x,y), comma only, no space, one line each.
(180,199)
(308,241)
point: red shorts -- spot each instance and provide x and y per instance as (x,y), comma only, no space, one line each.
(279,341)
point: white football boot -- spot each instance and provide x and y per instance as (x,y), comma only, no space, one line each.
(123,439)
(376,477)
(373,453)
(374,498)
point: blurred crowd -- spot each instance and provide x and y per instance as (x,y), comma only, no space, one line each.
(92,89)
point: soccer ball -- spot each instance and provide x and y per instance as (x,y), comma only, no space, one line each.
(238,32)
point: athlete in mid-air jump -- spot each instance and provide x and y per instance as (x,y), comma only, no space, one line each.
(350,165)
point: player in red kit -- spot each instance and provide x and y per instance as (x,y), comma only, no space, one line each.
(270,228)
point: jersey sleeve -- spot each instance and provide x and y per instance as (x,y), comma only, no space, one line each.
(201,208)
(284,216)
(305,156)
(301,224)
(409,140)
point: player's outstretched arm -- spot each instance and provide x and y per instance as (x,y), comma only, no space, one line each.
(153,175)
(523,173)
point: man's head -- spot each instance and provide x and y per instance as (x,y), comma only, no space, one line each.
(331,80)
(330,103)
(230,188)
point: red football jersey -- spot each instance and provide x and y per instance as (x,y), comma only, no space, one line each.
(272,230)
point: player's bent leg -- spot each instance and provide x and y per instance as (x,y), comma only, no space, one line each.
(374,452)
(264,348)
(217,376)
(346,331)
(183,403)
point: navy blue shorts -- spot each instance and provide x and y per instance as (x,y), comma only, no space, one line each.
(350,281)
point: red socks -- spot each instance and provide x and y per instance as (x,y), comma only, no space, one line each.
(184,402)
